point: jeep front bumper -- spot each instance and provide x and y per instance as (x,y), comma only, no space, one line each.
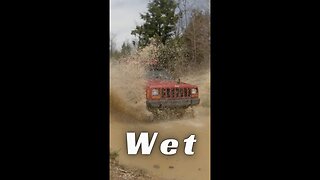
(172,103)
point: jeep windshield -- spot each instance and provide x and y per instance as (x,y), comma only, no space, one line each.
(158,74)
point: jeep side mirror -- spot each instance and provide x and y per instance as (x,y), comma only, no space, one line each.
(178,81)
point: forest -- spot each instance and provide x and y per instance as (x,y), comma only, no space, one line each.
(174,33)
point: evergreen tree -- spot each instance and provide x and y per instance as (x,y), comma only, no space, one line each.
(160,22)
(125,49)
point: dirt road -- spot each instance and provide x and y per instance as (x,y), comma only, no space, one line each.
(128,113)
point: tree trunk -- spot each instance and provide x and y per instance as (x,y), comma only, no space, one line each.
(194,42)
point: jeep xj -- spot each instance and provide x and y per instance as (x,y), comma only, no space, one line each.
(163,92)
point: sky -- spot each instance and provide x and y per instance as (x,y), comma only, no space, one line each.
(125,16)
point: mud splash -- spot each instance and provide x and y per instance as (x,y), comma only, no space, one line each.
(128,113)
(127,92)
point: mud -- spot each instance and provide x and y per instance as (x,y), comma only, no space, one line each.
(128,113)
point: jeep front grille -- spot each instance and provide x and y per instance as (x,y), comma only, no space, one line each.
(175,92)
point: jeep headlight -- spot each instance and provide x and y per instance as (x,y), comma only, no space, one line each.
(194,91)
(155,92)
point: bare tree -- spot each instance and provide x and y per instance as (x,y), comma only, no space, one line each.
(183,14)
(197,37)
(112,43)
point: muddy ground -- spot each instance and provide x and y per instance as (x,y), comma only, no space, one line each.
(128,113)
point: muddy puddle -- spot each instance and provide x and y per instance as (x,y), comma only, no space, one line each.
(128,113)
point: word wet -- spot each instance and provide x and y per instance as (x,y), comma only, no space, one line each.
(167,147)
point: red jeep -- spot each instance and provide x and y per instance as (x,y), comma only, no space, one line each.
(164,93)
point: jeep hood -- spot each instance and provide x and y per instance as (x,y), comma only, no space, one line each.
(168,84)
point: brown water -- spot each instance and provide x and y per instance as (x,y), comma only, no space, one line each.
(128,113)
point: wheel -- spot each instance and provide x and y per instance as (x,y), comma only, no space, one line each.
(190,112)
(179,113)
(156,114)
